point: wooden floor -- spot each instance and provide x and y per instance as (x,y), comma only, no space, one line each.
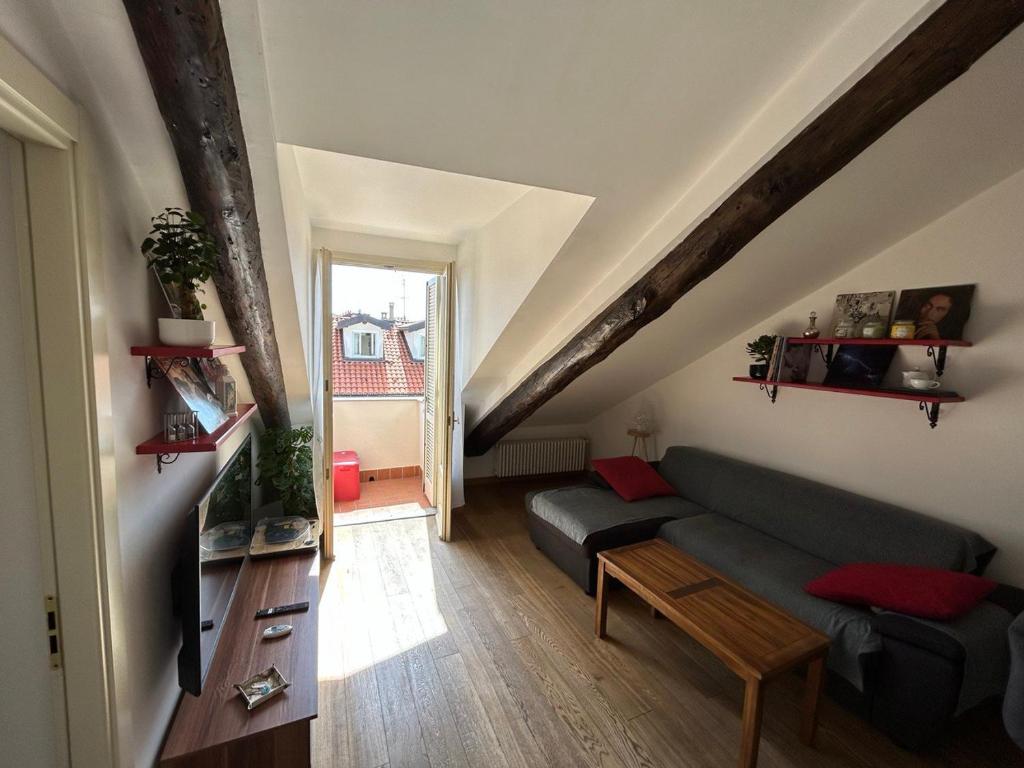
(481,653)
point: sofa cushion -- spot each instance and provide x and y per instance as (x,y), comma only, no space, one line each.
(580,511)
(633,478)
(827,522)
(777,572)
(931,593)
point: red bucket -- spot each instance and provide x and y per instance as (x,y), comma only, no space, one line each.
(346,475)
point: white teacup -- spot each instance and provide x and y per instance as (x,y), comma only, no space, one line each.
(923,383)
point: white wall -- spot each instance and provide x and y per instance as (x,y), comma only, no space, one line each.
(968,470)
(299,235)
(89,51)
(499,263)
(379,246)
(385,432)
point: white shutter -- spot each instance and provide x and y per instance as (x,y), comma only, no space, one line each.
(430,390)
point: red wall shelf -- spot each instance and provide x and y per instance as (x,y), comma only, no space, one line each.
(159,360)
(929,403)
(883,342)
(920,396)
(207,352)
(163,450)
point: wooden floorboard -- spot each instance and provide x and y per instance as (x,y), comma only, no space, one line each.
(481,653)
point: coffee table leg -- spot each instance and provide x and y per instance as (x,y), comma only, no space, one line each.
(601,604)
(753,699)
(812,695)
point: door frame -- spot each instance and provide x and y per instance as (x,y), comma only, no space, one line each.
(70,404)
(446,359)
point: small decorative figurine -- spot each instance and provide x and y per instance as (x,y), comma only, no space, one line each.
(811,331)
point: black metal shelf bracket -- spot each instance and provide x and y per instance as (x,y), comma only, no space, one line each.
(938,356)
(771,389)
(157,367)
(163,459)
(826,353)
(931,412)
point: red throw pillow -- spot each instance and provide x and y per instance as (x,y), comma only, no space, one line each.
(930,593)
(632,478)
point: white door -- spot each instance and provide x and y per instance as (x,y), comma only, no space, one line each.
(437,401)
(322,398)
(32,713)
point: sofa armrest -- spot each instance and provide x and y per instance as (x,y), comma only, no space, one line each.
(1009,598)
(916,633)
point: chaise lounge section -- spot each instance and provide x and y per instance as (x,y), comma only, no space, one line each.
(773,533)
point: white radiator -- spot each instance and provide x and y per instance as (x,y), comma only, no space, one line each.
(541,456)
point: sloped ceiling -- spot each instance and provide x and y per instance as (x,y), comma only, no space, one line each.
(965,139)
(358,194)
(626,102)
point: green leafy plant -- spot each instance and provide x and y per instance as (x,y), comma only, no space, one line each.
(761,348)
(184,255)
(286,463)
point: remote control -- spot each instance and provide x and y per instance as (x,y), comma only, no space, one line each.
(264,613)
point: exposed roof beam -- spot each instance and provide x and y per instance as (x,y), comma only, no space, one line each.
(941,49)
(182,44)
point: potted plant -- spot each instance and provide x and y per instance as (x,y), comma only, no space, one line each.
(286,463)
(184,256)
(761,350)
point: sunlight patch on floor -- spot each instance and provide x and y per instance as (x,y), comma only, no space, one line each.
(379,597)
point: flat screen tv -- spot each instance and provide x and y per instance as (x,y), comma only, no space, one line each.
(215,542)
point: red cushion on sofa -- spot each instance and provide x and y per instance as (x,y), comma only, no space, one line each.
(930,593)
(632,478)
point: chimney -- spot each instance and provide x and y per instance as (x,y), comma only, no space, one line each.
(391,310)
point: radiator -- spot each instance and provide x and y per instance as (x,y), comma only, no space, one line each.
(541,456)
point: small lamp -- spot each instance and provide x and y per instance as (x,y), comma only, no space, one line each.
(641,428)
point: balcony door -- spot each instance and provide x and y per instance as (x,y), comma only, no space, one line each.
(438,380)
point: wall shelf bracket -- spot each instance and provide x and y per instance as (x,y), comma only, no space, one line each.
(157,367)
(162,459)
(931,412)
(825,350)
(938,356)
(771,390)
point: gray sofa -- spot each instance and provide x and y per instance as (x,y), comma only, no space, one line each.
(774,532)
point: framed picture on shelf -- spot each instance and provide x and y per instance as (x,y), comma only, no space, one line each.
(796,363)
(860,367)
(195,390)
(937,313)
(855,310)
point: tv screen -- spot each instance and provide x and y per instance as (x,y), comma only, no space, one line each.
(217,535)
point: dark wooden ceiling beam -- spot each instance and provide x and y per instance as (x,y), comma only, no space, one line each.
(941,49)
(182,44)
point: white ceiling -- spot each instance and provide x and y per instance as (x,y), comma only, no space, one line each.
(637,105)
(963,140)
(359,194)
(622,101)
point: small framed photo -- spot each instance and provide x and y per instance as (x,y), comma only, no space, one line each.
(855,310)
(937,313)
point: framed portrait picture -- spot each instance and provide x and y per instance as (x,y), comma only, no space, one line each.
(854,310)
(937,313)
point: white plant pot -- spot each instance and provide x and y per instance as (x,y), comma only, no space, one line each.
(185,333)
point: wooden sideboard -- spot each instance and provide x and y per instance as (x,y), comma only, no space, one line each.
(215,730)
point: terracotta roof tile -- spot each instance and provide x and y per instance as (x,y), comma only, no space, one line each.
(397,374)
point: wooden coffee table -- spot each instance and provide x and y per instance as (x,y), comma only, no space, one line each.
(752,637)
